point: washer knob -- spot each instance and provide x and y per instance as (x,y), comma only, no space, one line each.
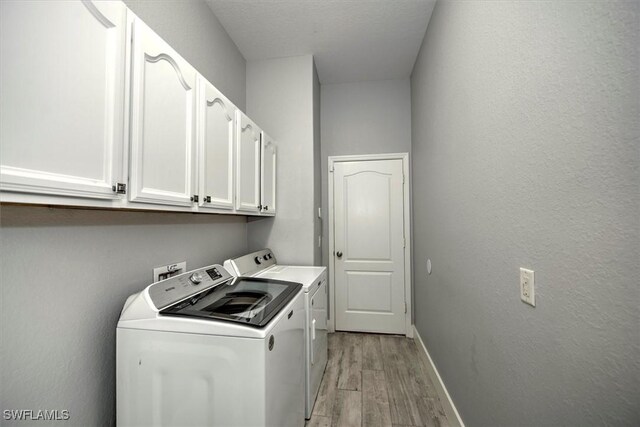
(195,278)
(258,260)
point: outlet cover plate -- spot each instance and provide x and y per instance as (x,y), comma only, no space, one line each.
(527,286)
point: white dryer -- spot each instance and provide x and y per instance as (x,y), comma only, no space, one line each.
(263,264)
(208,349)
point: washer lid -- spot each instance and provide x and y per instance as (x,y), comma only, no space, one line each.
(308,276)
(247,300)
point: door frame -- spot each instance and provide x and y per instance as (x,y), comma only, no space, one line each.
(407,232)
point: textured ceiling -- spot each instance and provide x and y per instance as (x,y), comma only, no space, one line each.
(351,40)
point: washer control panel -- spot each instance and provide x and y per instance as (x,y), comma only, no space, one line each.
(176,288)
(250,263)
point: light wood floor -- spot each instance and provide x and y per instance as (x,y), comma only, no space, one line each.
(376,380)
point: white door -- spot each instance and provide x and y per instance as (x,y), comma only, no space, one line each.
(369,246)
(248,164)
(162,121)
(215,147)
(268,175)
(62,97)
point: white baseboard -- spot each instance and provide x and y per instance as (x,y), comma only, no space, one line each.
(440,384)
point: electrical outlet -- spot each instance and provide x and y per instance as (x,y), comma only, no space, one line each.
(527,286)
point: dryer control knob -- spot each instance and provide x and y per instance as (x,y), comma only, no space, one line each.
(258,260)
(195,278)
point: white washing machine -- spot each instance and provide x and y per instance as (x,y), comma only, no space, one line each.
(263,264)
(207,349)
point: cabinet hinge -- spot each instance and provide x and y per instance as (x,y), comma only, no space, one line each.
(119,188)
(331,170)
(403,178)
(405,308)
(404,242)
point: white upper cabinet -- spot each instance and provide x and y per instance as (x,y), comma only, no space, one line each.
(215,147)
(62,97)
(248,164)
(268,175)
(162,122)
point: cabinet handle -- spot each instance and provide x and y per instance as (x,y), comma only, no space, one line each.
(195,198)
(119,188)
(266,208)
(207,199)
(339,254)
(259,207)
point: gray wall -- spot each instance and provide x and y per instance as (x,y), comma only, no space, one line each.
(317,172)
(191,28)
(362,118)
(65,273)
(526,154)
(280,100)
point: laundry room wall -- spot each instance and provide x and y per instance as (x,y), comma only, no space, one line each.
(362,118)
(280,100)
(65,273)
(317,171)
(526,142)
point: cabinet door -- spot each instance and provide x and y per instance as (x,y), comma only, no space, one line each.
(62,97)
(248,164)
(215,147)
(268,175)
(162,121)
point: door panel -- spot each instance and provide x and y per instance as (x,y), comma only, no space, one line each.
(369,291)
(268,175)
(248,164)
(62,96)
(369,245)
(215,144)
(162,122)
(368,209)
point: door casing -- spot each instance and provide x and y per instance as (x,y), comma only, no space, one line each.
(407,232)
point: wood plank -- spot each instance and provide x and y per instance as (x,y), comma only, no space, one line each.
(412,397)
(375,401)
(436,413)
(318,421)
(449,415)
(400,406)
(350,363)
(347,412)
(398,399)
(421,383)
(329,384)
(371,352)
(333,339)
